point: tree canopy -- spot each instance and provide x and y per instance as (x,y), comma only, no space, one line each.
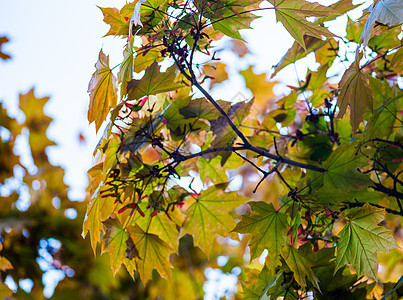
(300,191)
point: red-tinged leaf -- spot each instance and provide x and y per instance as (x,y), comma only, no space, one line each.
(293,13)
(153,82)
(153,254)
(103,91)
(355,92)
(5,264)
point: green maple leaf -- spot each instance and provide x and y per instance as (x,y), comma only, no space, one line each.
(153,82)
(356,92)
(126,68)
(292,14)
(211,168)
(229,16)
(300,265)
(103,91)
(342,167)
(92,224)
(361,238)
(210,215)
(153,253)
(297,52)
(202,108)
(268,228)
(161,225)
(114,243)
(98,210)
(233,22)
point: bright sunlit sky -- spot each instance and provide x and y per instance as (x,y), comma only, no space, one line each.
(54,45)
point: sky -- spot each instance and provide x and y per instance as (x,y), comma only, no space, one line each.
(54,45)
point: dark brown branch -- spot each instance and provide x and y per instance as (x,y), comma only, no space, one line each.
(390,192)
(360,204)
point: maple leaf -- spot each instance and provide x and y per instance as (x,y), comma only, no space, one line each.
(153,82)
(292,14)
(103,91)
(268,228)
(113,17)
(361,238)
(37,123)
(300,265)
(153,253)
(260,87)
(202,108)
(5,291)
(3,55)
(5,264)
(397,61)
(126,68)
(387,12)
(297,52)
(355,92)
(342,167)
(212,169)
(209,215)
(145,58)
(216,72)
(114,243)
(98,209)
(163,225)
(231,24)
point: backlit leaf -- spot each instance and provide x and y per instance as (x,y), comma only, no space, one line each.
(268,228)
(387,12)
(361,238)
(301,266)
(202,108)
(164,225)
(5,264)
(260,87)
(293,13)
(126,68)
(355,92)
(37,123)
(342,169)
(114,243)
(153,82)
(209,215)
(103,91)
(297,52)
(112,17)
(153,253)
